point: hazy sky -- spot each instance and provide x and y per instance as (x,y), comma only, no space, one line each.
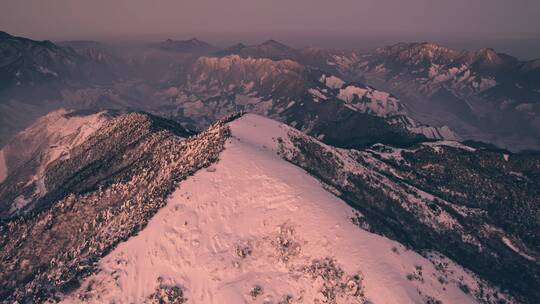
(419,19)
(101,17)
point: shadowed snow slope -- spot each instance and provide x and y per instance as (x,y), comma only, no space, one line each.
(254,228)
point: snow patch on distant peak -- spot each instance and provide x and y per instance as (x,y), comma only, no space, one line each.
(369,100)
(332,82)
(449,143)
(317,94)
(348,93)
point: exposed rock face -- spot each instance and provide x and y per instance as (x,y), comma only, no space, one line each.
(193,45)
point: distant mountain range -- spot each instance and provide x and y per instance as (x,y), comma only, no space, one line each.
(334,61)
(29,63)
(187,46)
(480,94)
(473,95)
(204,89)
(26,61)
(483,95)
(340,113)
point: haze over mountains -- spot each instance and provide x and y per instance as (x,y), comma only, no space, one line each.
(480,95)
(182,172)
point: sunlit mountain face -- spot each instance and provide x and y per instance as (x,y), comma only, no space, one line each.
(242,159)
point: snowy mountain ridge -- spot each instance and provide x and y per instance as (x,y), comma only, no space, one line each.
(108,189)
(224,239)
(192,45)
(276,217)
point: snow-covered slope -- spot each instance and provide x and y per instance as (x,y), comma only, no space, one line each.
(24,159)
(105,192)
(254,228)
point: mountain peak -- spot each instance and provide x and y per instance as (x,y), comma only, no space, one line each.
(488,58)
(270,41)
(190,45)
(195,40)
(486,51)
(237,46)
(417,52)
(274,43)
(487,55)
(192,40)
(431,47)
(270,49)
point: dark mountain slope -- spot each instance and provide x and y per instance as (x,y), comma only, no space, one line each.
(187,46)
(28,62)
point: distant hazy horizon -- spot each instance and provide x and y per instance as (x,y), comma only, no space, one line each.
(510,27)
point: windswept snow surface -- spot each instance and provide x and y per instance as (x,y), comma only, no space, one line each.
(252,220)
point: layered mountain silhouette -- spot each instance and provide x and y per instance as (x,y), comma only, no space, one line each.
(193,45)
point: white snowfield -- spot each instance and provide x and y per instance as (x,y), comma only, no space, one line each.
(250,230)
